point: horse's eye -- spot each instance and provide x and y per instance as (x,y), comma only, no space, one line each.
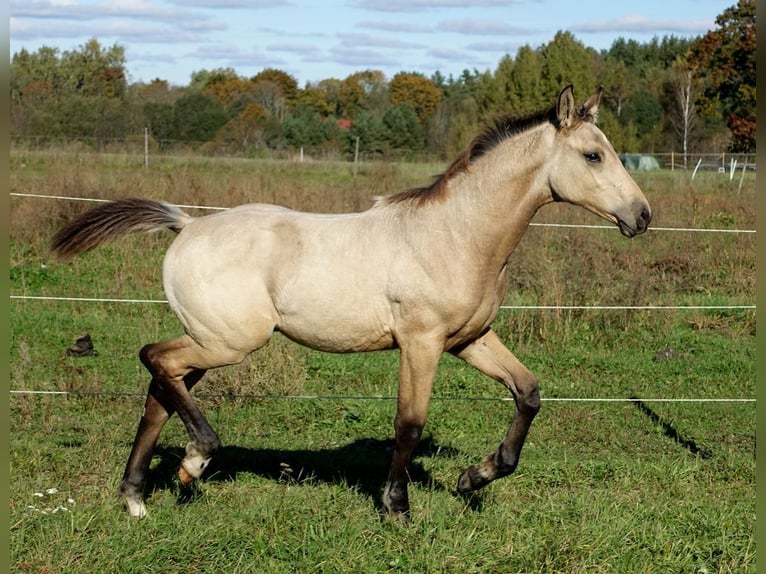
(592,157)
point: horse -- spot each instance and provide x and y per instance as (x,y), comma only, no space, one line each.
(423,271)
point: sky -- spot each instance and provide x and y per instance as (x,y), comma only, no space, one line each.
(314,40)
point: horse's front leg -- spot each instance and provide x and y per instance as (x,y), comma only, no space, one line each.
(491,357)
(416,375)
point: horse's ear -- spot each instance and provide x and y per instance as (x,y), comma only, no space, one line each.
(565,107)
(589,111)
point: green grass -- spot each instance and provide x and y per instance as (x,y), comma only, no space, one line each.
(633,486)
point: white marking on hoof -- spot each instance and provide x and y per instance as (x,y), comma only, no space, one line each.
(137,508)
(192,466)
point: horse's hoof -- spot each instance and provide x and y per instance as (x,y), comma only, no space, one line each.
(137,508)
(185,478)
(192,466)
(471,479)
(464,485)
(398,517)
(396,504)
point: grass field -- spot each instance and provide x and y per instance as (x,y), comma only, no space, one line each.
(637,485)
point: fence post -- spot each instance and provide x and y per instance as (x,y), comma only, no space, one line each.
(356,155)
(742,177)
(146,148)
(696,168)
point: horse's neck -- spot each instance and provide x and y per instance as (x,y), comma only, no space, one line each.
(497,198)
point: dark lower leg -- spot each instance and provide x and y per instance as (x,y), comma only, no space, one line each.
(504,460)
(395,495)
(157,411)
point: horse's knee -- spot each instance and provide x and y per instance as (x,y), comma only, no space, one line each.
(147,357)
(408,431)
(528,395)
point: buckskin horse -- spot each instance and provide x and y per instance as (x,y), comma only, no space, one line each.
(423,271)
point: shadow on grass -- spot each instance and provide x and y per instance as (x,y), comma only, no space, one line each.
(362,465)
(670,431)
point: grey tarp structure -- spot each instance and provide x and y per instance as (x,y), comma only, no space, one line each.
(637,162)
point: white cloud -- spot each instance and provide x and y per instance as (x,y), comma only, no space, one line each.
(223,4)
(478,27)
(356,40)
(70,10)
(637,23)
(361,57)
(495,47)
(422,5)
(399,27)
(292,48)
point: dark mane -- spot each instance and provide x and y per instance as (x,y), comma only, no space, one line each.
(497,131)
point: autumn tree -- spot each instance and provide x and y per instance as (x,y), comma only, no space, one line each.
(364,91)
(727,55)
(78,93)
(314,98)
(416,91)
(246,130)
(276,91)
(224,84)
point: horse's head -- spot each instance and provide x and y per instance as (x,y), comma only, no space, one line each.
(586,171)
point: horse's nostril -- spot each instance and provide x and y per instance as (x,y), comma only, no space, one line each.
(645,218)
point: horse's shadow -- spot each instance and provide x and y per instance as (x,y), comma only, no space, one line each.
(362,465)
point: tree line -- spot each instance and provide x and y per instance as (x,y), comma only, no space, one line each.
(689,95)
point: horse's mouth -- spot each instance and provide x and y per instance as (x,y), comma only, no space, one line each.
(632,230)
(626,229)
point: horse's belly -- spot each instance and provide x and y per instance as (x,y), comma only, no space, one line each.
(338,332)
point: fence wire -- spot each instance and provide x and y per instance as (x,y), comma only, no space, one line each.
(392,398)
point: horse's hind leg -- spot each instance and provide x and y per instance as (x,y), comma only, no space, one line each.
(157,410)
(176,366)
(491,357)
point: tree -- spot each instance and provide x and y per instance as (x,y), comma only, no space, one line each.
(567,61)
(501,93)
(223,84)
(79,93)
(618,83)
(727,54)
(525,92)
(683,86)
(371,133)
(307,128)
(418,92)
(197,117)
(246,130)
(403,129)
(645,112)
(364,91)
(316,99)
(96,71)
(288,86)
(160,118)
(276,91)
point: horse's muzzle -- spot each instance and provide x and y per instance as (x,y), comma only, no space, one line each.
(639,227)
